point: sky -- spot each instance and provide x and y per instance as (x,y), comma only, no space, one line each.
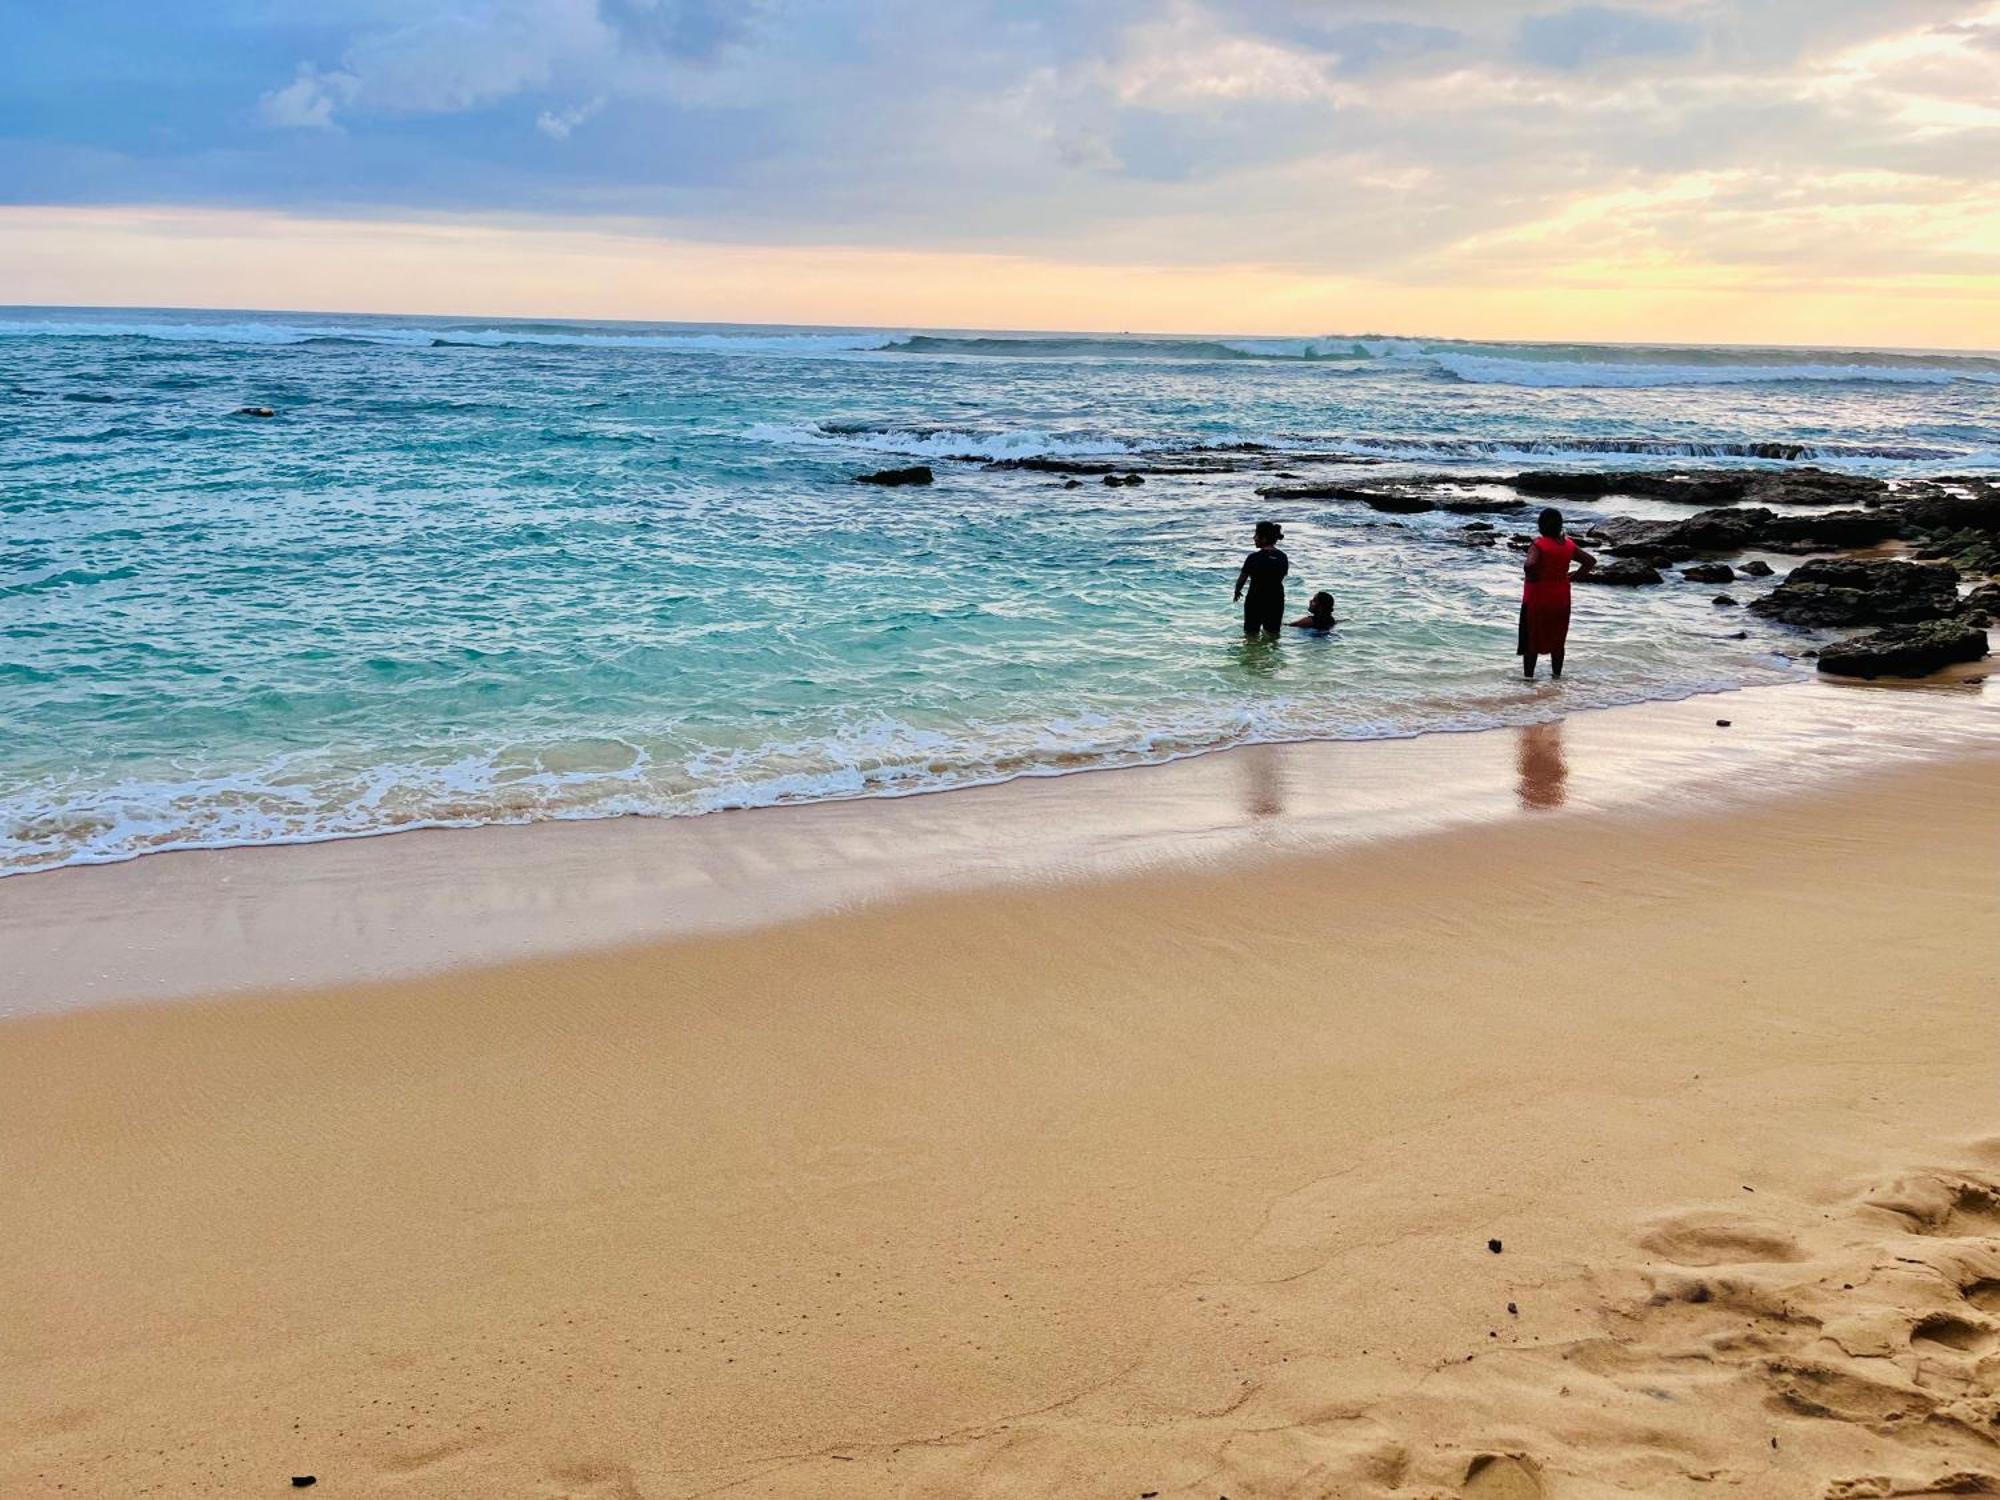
(1796,171)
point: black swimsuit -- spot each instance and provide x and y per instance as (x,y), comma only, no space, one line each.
(1264,599)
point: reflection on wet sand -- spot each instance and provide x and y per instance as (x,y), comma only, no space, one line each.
(1539,763)
(1263,783)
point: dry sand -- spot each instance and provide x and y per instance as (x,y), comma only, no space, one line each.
(1180,1183)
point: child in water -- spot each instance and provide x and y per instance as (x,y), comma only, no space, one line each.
(1318,617)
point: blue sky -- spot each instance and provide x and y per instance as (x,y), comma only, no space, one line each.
(1829,146)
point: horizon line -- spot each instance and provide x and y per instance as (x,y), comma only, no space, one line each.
(1976,350)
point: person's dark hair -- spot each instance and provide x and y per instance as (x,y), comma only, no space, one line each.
(1322,597)
(1551,522)
(1269,532)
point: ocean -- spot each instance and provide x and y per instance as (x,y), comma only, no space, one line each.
(490,571)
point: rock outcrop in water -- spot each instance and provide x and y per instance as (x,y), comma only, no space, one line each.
(1905,650)
(916,474)
(1735,528)
(1397,499)
(1844,591)
(1982,603)
(1802,486)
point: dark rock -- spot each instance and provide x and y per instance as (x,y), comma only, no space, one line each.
(1722,723)
(1135,478)
(1627,571)
(1391,502)
(1709,573)
(916,474)
(255,411)
(1724,601)
(1055,465)
(1477,526)
(1740,635)
(1758,568)
(1946,511)
(1983,600)
(1811,486)
(1841,591)
(1721,530)
(1732,529)
(1833,529)
(1472,507)
(1905,650)
(1494,1246)
(304,1481)
(1113,479)
(1712,488)
(1072,484)
(1801,486)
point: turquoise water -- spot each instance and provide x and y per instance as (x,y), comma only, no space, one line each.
(484,572)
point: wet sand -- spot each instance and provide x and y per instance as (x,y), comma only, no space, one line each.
(1172,1167)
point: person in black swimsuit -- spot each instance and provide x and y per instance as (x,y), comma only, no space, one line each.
(1263,574)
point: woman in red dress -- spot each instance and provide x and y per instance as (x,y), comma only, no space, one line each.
(1545,596)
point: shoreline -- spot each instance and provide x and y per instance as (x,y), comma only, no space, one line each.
(187,923)
(1177,1171)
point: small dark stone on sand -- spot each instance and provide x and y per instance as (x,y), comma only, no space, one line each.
(304,1481)
(1722,723)
(1494,1246)
(1513,1310)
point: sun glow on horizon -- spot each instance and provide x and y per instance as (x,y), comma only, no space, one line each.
(1529,289)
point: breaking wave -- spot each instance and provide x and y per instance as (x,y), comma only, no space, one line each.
(1543,366)
(949,442)
(1030,443)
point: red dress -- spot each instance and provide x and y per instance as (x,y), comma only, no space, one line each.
(1545,597)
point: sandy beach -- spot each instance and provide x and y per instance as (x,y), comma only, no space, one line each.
(1600,1132)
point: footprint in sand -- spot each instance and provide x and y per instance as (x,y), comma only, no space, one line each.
(590,1481)
(1948,1207)
(1502,1476)
(1719,1239)
(1881,1487)
(1958,1335)
(1983,1294)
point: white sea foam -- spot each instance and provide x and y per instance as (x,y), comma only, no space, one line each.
(1482,369)
(439,335)
(948,442)
(1541,366)
(283,803)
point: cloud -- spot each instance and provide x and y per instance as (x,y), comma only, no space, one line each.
(557,124)
(306,103)
(1593,34)
(1419,142)
(694,29)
